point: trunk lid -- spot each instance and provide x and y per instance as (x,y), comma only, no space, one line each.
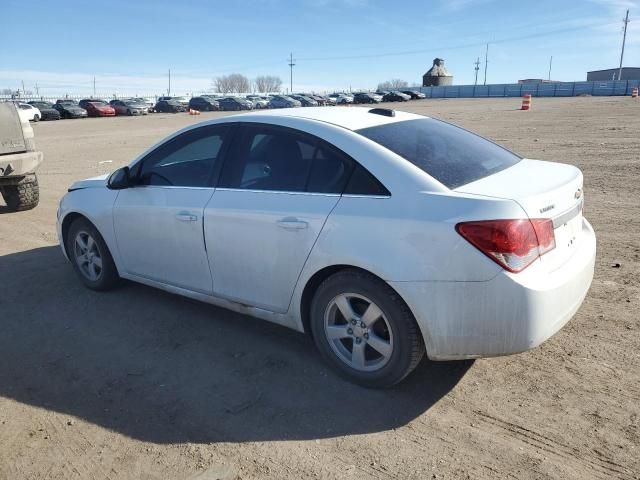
(543,190)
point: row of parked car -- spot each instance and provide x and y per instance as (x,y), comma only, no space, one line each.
(66,108)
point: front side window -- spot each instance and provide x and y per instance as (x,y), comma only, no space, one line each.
(450,154)
(189,160)
(281,159)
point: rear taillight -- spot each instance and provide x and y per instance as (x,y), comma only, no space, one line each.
(512,244)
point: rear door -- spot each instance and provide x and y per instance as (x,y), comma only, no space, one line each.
(159,222)
(276,190)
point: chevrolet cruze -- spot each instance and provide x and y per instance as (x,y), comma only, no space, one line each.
(382,234)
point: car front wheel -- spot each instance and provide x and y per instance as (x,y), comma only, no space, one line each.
(90,256)
(364,329)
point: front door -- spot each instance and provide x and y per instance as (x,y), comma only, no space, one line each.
(159,221)
(274,196)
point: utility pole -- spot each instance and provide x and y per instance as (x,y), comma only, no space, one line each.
(94,86)
(37,89)
(24,92)
(169,89)
(550,63)
(291,65)
(477,64)
(624,39)
(486,61)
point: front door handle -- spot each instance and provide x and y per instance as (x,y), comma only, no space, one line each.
(186,217)
(292,223)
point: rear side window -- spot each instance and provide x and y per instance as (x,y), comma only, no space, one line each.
(450,154)
(363,183)
(282,159)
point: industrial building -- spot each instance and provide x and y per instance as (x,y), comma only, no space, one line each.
(628,73)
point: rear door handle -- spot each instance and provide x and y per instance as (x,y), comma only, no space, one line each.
(186,217)
(291,223)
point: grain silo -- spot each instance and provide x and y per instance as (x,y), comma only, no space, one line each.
(437,75)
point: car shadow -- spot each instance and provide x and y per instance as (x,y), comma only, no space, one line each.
(165,369)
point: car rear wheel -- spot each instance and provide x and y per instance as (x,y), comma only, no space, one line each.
(90,256)
(364,329)
(36,118)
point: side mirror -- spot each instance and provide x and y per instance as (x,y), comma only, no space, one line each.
(120,179)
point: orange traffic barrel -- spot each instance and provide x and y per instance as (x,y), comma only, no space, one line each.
(634,92)
(526,102)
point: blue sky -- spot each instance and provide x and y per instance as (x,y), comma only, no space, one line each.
(129,44)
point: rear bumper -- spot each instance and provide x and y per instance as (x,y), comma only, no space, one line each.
(510,313)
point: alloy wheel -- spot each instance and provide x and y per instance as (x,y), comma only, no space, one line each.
(87,256)
(358,332)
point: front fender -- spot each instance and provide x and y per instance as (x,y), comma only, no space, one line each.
(95,204)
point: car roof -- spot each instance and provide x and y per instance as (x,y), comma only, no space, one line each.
(351,118)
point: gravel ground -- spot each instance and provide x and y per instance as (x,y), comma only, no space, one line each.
(138,383)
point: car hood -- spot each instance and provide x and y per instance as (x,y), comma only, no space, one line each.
(93,182)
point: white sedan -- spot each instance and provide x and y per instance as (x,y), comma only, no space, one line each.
(28,112)
(383,234)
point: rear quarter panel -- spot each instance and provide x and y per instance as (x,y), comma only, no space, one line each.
(408,237)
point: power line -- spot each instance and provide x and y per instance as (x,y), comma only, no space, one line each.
(624,39)
(458,47)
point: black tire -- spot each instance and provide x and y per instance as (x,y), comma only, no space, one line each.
(23,195)
(129,112)
(408,346)
(36,118)
(108,277)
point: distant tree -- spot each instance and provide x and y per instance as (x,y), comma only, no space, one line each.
(268,83)
(241,83)
(222,84)
(393,84)
(234,83)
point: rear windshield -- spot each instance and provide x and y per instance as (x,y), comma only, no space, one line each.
(450,154)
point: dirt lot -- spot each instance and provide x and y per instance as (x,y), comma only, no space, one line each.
(138,383)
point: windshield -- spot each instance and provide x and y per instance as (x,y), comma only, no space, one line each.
(98,104)
(42,105)
(173,102)
(450,154)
